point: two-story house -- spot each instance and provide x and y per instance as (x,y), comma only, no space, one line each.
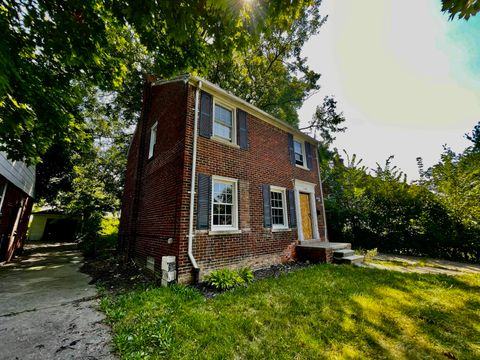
(217,182)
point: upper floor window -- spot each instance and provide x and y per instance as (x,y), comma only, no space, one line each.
(299,153)
(223,123)
(278,207)
(153,139)
(224,204)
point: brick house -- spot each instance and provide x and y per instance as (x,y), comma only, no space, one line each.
(17,182)
(255,181)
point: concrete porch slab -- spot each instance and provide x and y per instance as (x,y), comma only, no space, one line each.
(324,245)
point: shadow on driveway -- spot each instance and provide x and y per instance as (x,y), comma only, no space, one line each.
(48,310)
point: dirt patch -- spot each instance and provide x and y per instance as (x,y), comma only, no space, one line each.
(117,276)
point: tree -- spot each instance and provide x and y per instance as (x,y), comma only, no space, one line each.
(474,137)
(326,121)
(52,51)
(271,73)
(463,9)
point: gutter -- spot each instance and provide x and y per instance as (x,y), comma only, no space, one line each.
(196,269)
(321,194)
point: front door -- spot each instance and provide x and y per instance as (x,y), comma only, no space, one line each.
(306,216)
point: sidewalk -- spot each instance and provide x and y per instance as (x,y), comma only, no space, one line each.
(421,265)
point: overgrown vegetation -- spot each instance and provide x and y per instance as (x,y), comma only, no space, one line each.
(322,311)
(104,241)
(438,216)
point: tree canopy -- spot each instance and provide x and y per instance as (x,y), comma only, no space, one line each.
(463,9)
(52,53)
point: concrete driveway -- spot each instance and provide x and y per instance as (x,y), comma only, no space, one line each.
(47,308)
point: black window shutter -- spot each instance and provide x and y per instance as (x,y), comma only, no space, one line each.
(308,151)
(291,208)
(291,152)
(267,216)
(206,115)
(203,201)
(242,132)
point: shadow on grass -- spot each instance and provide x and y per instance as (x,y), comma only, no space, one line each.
(320,312)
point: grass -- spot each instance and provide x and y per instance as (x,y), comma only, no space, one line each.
(321,312)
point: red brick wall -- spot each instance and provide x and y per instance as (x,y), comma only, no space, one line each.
(266,161)
(14,198)
(160,193)
(163,199)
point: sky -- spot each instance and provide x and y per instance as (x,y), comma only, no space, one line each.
(406,78)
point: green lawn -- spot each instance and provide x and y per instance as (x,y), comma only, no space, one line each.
(321,312)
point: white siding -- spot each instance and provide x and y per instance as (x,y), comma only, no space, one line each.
(18,174)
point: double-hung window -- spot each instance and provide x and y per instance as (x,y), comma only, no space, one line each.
(299,153)
(224,204)
(278,208)
(223,123)
(153,140)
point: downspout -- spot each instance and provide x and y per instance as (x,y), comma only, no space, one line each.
(196,269)
(321,194)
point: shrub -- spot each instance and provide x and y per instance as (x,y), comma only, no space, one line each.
(246,274)
(370,254)
(225,279)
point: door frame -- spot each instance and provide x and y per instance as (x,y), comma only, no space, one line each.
(307,188)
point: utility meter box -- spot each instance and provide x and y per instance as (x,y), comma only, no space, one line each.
(169,270)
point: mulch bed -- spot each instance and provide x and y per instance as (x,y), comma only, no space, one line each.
(271,271)
(117,276)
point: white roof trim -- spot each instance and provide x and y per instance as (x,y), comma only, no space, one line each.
(239,103)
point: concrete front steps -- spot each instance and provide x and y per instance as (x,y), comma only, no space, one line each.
(346,256)
(324,251)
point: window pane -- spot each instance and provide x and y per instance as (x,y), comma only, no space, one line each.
(223,131)
(298,147)
(298,153)
(223,122)
(223,115)
(277,208)
(298,159)
(223,204)
(222,193)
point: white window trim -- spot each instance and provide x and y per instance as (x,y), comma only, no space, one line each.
(153,139)
(4,191)
(232,108)
(284,205)
(304,153)
(234,226)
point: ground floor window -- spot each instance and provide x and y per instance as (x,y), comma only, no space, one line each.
(278,207)
(224,203)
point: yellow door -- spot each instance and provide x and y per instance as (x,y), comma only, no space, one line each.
(306,216)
